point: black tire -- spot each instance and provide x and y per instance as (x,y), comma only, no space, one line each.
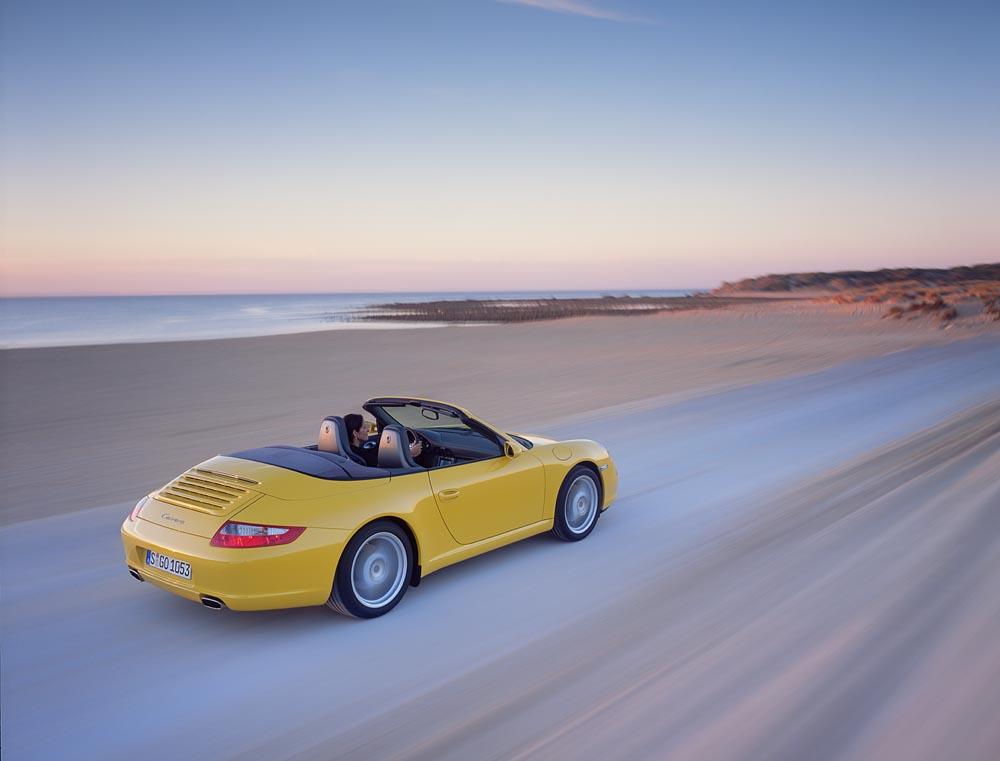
(563,528)
(344,598)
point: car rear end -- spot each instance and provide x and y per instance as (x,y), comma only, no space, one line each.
(187,539)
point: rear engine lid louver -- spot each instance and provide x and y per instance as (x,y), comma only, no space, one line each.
(209,491)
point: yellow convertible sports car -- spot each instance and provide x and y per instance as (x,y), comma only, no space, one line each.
(285,526)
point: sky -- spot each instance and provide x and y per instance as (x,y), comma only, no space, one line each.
(226,147)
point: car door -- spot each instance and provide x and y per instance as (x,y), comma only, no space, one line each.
(482,499)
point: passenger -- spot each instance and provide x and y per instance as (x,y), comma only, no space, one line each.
(357,432)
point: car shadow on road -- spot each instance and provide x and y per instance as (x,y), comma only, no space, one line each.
(199,619)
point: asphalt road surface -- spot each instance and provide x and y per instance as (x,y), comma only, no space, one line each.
(805,568)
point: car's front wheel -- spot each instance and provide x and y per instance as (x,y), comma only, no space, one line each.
(374,571)
(578,505)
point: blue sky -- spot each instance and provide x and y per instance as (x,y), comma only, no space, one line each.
(477,144)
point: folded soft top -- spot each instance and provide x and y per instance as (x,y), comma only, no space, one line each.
(311,462)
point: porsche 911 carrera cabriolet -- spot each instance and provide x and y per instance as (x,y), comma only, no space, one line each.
(292,526)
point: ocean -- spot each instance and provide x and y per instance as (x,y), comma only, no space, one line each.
(89,320)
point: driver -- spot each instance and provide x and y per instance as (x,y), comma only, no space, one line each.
(357,431)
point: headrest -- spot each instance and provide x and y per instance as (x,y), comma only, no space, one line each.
(333,438)
(394,448)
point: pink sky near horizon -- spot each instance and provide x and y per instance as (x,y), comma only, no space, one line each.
(280,276)
(424,228)
(421,228)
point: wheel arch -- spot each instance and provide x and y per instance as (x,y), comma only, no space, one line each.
(410,534)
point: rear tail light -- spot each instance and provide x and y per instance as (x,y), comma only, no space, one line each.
(234,534)
(134,515)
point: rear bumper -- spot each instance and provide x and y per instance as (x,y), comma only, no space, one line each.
(285,576)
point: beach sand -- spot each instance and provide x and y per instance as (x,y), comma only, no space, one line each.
(791,563)
(87,426)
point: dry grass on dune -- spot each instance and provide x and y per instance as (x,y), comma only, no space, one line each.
(967,294)
(944,303)
(991,306)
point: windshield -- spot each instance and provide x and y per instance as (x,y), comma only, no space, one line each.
(415,416)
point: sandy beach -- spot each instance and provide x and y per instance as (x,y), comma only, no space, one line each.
(802,560)
(86,426)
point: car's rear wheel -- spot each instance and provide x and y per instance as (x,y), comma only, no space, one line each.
(578,505)
(373,572)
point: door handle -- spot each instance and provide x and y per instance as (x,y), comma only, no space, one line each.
(448,493)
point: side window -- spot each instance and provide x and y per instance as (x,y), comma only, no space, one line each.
(480,446)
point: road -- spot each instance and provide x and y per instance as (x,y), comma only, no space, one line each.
(803,568)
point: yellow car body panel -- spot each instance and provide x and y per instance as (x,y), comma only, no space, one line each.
(285,576)
(481,500)
(451,513)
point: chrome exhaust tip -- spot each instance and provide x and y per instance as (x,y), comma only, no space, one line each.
(212,602)
(135,574)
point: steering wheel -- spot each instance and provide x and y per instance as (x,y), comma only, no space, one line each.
(412,437)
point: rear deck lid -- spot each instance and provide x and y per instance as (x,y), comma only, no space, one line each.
(211,491)
(206,496)
(199,501)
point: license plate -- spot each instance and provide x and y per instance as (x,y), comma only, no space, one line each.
(168,564)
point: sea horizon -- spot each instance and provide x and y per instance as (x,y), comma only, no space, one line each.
(80,320)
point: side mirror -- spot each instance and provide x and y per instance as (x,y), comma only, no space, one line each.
(510,449)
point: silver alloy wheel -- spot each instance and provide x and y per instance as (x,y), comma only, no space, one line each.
(580,507)
(378,570)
